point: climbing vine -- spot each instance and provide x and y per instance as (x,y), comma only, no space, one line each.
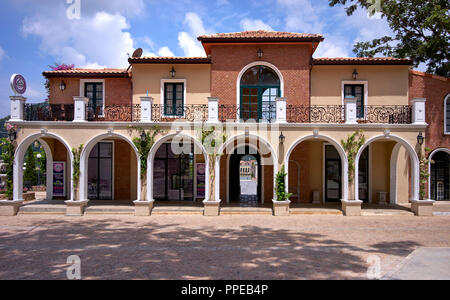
(76,165)
(7,156)
(423,172)
(280,186)
(351,146)
(212,139)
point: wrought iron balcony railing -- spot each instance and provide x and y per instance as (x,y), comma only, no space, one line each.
(385,114)
(114,113)
(48,112)
(190,112)
(315,114)
(234,113)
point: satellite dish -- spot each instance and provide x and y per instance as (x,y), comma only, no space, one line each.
(137,53)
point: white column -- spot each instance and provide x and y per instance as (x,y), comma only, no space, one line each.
(213,110)
(418,111)
(17,108)
(350,110)
(80,104)
(281,110)
(146,109)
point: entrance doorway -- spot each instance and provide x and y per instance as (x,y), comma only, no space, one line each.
(440,176)
(173,175)
(100,172)
(333,190)
(245,177)
(363,176)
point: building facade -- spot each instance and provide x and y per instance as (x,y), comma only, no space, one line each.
(264,95)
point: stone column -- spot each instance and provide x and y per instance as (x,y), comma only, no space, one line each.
(350,110)
(80,104)
(418,111)
(146,109)
(281,110)
(17,108)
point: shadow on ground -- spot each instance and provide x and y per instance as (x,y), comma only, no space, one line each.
(173,251)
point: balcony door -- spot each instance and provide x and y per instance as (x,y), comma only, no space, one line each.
(94,92)
(260,86)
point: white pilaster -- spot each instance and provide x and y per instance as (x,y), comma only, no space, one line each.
(146,109)
(17,107)
(213,110)
(350,110)
(418,111)
(80,104)
(281,110)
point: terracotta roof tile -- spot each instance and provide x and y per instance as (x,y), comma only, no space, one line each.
(170,60)
(361,61)
(87,72)
(260,35)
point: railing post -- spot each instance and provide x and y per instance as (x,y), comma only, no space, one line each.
(80,104)
(17,108)
(281,110)
(350,110)
(213,110)
(418,112)
(146,109)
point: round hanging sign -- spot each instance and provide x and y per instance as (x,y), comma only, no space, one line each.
(18,84)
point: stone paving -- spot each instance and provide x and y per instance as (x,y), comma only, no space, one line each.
(226,247)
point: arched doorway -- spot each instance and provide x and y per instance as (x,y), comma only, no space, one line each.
(244,182)
(259,86)
(440,176)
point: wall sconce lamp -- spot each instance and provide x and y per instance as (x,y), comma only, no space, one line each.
(420,139)
(62,86)
(282,138)
(247,133)
(260,53)
(12,135)
(355,74)
(143,136)
(173,73)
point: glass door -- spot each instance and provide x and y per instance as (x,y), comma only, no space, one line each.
(94,92)
(100,172)
(332,174)
(258,103)
(363,176)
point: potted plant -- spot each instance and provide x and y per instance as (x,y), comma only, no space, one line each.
(281,203)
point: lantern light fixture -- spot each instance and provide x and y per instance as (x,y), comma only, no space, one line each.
(62,86)
(143,136)
(260,53)
(282,138)
(420,139)
(355,74)
(173,72)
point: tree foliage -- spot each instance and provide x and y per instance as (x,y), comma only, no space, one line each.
(421,31)
(7,156)
(280,185)
(351,146)
(29,176)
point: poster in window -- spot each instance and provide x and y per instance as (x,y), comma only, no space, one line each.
(59,174)
(201,180)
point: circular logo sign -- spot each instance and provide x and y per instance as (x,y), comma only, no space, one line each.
(18,84)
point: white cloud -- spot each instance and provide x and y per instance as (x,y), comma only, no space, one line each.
(102,40)
(2,53)
(187,40)
(301,16)
(165,51)
(251,24)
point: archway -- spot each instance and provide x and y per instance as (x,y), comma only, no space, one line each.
(387,148)
(323,173)
(110,169)
(237,147)
(259,84)
(175,164)
(439,182)
(57,151)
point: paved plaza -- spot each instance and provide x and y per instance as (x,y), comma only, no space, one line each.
(225,247)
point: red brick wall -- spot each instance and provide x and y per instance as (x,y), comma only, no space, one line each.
(117,90)
(293,61)
(434,89)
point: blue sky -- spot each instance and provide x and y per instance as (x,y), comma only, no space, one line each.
(36,34)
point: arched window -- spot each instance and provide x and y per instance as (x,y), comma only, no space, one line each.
(260,85)
(440,176)
(447,114)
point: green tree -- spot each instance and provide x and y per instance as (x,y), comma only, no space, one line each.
(280,185)
(7,156)
(30,177)
(421,31)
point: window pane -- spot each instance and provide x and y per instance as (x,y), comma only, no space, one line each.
(268,77)
(251,77)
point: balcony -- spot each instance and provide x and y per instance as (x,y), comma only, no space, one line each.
(213,112)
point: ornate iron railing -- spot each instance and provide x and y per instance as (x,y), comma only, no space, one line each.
(115,113)
(233,113)
(315,114)
(191,113)
(48,112)
(385,114)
